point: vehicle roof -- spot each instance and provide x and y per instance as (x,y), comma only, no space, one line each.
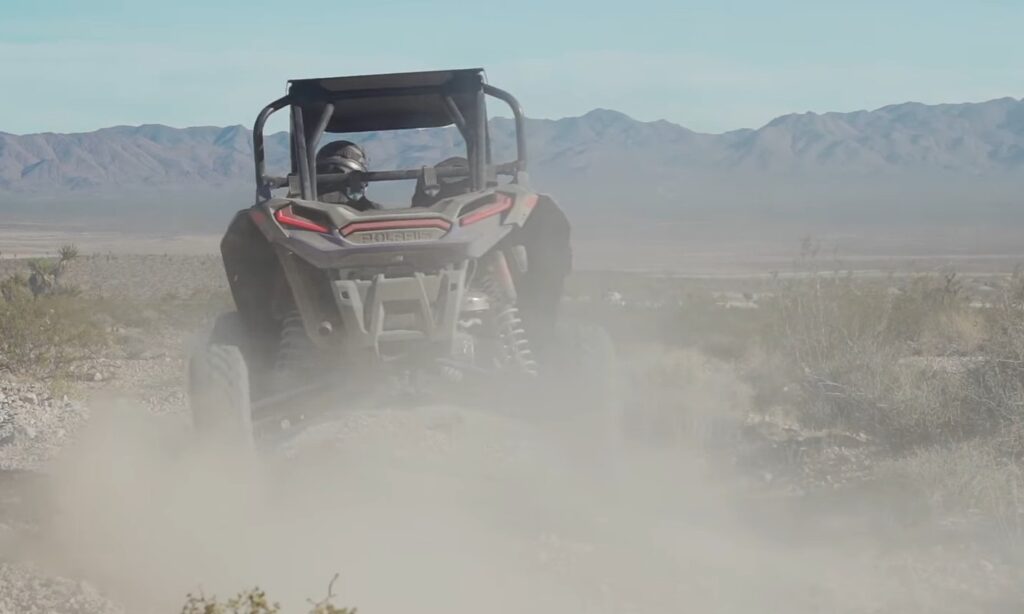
(393,101)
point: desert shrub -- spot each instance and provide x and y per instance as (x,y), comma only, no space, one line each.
(816,321)
(925,402)
(45,335)
(971,478)
(45,325)
(48,324)
(255,601)
(1005,319)
(994,383)
(829,333)
(67,253)
(14,287)
(46,274)
(850,346)
(249,602)
(931,315)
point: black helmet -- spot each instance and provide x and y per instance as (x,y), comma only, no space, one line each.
(343,157)
(340,157)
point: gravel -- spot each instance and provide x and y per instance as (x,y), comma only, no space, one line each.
(33,424)
(26,590)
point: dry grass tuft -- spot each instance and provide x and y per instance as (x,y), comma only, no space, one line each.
(969,479)
(255,601)
(909,365)
(46,335)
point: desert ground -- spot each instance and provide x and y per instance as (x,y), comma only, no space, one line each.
(806,429)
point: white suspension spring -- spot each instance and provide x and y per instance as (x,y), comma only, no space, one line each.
(515,343)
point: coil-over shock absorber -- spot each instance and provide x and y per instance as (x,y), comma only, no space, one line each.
(514,341)
(515,345)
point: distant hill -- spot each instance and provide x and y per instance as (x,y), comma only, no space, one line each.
(958,158)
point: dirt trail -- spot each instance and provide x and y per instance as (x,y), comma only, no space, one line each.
(440,509)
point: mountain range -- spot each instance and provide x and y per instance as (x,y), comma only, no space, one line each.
(911,157)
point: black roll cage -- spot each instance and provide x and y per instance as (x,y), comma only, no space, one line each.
(475,133)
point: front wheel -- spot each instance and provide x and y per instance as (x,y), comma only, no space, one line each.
(219,391)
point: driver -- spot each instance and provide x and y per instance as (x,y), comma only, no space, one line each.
(342,158)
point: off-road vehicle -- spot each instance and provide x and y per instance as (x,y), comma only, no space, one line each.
(457,290)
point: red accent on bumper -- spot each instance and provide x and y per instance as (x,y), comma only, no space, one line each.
(502,203)
(400,224)
(285,217)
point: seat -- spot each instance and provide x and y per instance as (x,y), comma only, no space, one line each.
(431,189)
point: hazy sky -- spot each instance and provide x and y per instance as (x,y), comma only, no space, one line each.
(73,65)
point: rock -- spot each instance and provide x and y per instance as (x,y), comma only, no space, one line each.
(30,432)
(27,590)
(33,424)
(6,427)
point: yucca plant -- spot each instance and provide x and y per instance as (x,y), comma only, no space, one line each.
(46,274)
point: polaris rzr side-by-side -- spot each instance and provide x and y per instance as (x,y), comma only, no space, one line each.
(459,289)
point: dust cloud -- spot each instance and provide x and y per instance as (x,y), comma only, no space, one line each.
(439,509)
